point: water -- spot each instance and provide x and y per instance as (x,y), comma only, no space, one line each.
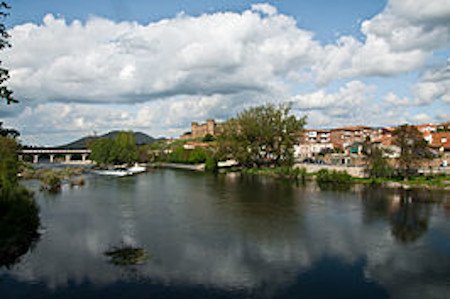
(235,237)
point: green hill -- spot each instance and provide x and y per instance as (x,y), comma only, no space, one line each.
(141,139)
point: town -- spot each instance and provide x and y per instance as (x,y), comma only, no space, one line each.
(344,145)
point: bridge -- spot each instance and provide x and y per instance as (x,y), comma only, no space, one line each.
(36,153)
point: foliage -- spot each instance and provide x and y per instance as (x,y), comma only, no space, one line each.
(51,183)
(28,172)
(261,136)
(413,149)
(125,149)
(101,151)
(211,164)
(333,179)
(377,164)
(5,92)
(208,138)
(279,172)
(8,164)
(8,132)
(122,149)
(194,156)
(144,154)
(19,223)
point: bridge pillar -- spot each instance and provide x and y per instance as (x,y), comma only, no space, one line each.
(35,159)
(68,158)
(84,157)
(20,157)
(52,158)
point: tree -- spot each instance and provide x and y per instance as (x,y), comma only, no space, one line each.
(8,164)
(413,149)
(121,149)
(5,92)
(101,150)
(125,149)
(8,132)
(377,164)
(263,135)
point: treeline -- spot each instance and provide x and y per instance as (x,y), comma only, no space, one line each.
(122,149)
(19,214)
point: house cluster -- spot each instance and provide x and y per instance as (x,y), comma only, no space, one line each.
(344,145)
(340,145)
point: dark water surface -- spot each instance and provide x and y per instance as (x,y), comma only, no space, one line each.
(235,237)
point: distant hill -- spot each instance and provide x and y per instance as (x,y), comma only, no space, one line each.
(141,139)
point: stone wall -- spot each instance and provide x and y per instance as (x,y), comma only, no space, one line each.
(357,172)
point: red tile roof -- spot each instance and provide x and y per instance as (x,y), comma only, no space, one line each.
(440,139)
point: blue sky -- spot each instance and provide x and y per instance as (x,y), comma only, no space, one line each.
(85,66)
(325,18)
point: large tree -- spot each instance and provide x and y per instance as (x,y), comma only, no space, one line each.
(121,149)
(413,149)
(261,136)
(5,92)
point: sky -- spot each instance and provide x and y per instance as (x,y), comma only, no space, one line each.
(87,67)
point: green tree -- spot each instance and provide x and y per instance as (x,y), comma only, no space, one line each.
(8,164)
(121,149)
(263,135)
(125,149)
(413,149)
(5,92)
(101,150)
(377,164)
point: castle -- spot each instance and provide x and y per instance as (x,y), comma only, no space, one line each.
(201,130)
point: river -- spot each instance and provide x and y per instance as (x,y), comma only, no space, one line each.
(229,236)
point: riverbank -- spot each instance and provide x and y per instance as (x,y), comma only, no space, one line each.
(192,167)
(438,182)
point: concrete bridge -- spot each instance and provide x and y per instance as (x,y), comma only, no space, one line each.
(36,153)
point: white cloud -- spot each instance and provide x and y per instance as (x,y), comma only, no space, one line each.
(393,99)
(351,104)
(173,71)
(434,85)
(265,8)
(102,61)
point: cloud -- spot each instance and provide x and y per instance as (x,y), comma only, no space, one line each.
(330,108)
(434,85)
(101,61)
(162,75)
(393,99)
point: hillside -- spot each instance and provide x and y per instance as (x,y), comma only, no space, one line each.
(141,139)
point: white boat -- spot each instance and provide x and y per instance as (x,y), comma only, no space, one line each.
(137,169)
(120,172)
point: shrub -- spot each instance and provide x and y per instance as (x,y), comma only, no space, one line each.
(51,183)
(208,138)
(211,164)
(333,179)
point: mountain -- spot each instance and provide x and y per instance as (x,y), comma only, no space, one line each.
(141,139)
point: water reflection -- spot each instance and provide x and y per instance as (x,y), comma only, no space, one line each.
(19,223)
(237,237)
(408,211)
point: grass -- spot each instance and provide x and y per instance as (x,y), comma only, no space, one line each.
(52,178)
(437,181)
(278,172)
(342,178)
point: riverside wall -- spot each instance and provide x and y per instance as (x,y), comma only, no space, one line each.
(354,171)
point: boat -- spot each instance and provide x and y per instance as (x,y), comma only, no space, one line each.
(137,169)
(119,172)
